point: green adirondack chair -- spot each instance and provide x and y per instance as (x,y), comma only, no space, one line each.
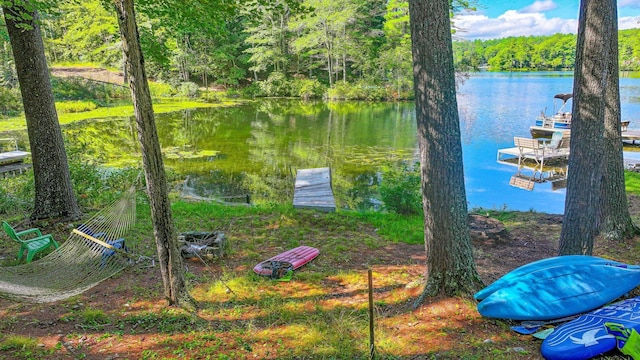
(33,245)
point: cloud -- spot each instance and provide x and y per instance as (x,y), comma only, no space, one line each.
(541,6)
(628,22)
(511,23)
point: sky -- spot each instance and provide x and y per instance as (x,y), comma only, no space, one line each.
(502,18)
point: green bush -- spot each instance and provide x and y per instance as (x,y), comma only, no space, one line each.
(75,106)
(77,88)
(275,85)
(248,92)
(10,101)
(210,96)
(358,91)
(159,90)
(307,88)
(189,89)
(400,191)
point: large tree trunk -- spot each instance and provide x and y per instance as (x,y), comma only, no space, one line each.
(615,220)
(450,266)
(54,196)
(169,257)
(586,161)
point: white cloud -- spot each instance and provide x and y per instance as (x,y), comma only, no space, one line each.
(541,6)
(511,23)
(628,22)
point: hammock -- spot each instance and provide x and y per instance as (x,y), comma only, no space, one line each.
(92,253)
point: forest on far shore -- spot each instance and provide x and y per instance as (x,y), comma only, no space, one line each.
(537,53)
(353,49)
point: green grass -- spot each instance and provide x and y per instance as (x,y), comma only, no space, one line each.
(632,182)
(164,106)
(397,228)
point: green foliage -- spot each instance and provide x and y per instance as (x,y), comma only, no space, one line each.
(76,88)
(358,91)
(210,96)
(275,85)
(400,191)
(10,101)
(159,90)
(75,106)
(307,88)
(189,89)
(530,53)
(86,32)
(17,194)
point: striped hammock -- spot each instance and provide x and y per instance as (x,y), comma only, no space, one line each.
(94,251)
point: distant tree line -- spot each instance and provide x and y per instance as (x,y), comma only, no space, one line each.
(537,53)
(354,49)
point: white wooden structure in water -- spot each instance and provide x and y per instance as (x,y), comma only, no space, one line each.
(12,159)
(313,190)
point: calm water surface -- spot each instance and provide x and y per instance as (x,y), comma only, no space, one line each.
(254,149)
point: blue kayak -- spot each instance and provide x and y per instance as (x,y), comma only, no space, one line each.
(586,336)
(513,276)
(560,291)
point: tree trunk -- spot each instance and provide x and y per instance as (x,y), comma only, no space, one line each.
(54,196)
(586,162)
(169,257)
(615,220)
(450,266)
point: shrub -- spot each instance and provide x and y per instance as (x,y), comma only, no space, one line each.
(10,101)
(275,85)
(75,106)
(210,96)
(400,191)
(358,91)
(308,88)
(189,89)
(161,90)
(77,88)
(250,91)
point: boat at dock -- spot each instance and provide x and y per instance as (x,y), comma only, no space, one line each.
(559,121)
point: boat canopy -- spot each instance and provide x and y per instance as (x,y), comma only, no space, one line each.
(563,97)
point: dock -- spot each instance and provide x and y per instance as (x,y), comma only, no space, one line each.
(313,190)
(631,136)
(11,157)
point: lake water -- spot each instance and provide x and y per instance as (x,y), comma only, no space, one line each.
(255,148)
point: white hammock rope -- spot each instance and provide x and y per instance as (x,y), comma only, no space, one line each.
(80,263)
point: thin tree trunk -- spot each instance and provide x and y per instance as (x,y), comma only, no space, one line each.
(171,264)
(54,196)
(615,220)
(586,162)
(450,268)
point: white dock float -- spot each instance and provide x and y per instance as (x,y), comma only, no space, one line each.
(313,190)
(13,156)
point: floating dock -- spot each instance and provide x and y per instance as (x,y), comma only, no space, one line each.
(313,190)
(11,157)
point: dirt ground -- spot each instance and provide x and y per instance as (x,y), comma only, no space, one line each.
(530,236)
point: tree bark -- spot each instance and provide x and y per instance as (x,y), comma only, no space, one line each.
(450,266)
(615,220)
(584,183)
(54,196)
(171,264)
